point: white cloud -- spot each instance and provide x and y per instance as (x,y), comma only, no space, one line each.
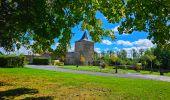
(98,50)
(116,49)
(106,49)
(129,50)
(144,43)
(124,43)
(107,42)
(23,50)
(137,45)
(115,29)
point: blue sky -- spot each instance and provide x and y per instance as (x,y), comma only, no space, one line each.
(136,40)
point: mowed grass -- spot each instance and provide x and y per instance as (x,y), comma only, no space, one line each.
(28,84)
(109,69)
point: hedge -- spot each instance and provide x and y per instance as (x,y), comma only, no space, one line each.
(40,61)
(11,61)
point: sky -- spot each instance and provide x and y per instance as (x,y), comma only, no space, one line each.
(136,40)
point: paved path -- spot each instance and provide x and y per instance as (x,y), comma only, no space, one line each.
(130,75)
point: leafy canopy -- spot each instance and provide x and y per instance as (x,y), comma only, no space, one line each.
(46,20)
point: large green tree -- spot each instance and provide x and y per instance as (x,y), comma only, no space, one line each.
(163,56)
(152,16)
(45,20)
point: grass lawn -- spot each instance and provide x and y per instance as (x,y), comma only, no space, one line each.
(28,84)
(108,69)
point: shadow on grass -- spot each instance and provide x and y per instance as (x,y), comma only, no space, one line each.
(5,84)
(39,98)
(11,94)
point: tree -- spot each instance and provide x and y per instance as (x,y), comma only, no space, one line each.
(110,52)
(45,20)
(143,60)
(141,51)
(134,54)
(1,53)
(114,58)
(96,57)
(103,53)
(122,54)
(162,58)
(151,16)
(150,56)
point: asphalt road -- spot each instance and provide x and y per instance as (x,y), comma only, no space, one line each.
(129,75)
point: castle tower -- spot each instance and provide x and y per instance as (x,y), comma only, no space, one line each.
(85,48)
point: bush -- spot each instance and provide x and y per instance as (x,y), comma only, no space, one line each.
(12,61)
(40,61)
(61,64)
(103,65)
(137,67)
(57,62)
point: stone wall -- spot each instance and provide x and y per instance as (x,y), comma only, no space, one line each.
(72,58)
(86,49)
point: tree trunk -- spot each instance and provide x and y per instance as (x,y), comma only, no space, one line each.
(161,71)
(116,68)
(151,67)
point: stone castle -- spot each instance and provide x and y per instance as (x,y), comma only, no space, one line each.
(83,47)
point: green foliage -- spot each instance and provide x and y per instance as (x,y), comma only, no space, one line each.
(159,57)
(11,61)
(122,54)
(106,59)
(135,54)
(113,58)
(44,21)
(57,62)
(163,57)
(40,61)
(20,22)
(1,53)
(151,16)
(138,67)
(103,64)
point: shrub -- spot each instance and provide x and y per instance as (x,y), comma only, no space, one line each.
(40,61)
(103,65)
(11,61)
(137,67)
(61,64)
(57,62)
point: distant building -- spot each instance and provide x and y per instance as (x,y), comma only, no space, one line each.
(83,47)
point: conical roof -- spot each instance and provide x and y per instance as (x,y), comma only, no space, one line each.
(84,37)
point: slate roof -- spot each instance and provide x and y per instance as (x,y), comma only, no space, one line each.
(84,37)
